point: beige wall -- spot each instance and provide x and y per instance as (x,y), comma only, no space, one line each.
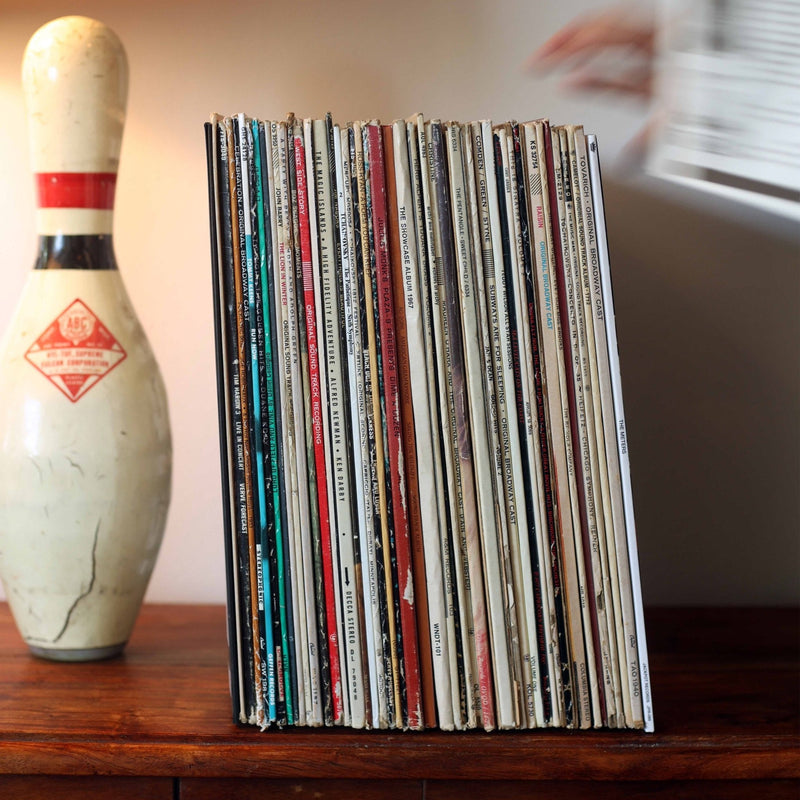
(707,302)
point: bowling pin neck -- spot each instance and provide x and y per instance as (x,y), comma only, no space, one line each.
(92,251)
(75,78)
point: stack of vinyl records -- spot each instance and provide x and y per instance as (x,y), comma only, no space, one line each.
(425,472)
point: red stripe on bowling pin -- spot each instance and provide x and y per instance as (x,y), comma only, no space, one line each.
(76,189)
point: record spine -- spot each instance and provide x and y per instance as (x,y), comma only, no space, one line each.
(640,673)
(519,485)
(394,430)
(245,389)
(400,214)
(463,326)
(388,607)
(468,696)
(315,316)
(438,573)
(258,378)
(307,474)
(545,354)
(282,521)
(544,545)
(330,271)
(582,646)
(221,251)
(605,605)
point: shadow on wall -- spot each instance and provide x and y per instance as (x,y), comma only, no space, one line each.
(708,318)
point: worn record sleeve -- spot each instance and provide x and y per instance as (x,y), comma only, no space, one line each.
(243,431)
(545,354)
(639,672)
(330,543)
(293,433)
(296,434)
(469,699)
(270,417)
(546,534)
(308,531)
(260,426)
(516,320)
(529,428)
(556,366)
(604,426)
(390,714)
(383,412)
(364,422)
(496,399)
(330,269)
(585,670)
(615,514)
(485,444)
(388,552)
(361,479)
(602,536)
(438,426)
(401,240)
(465,352)
(318,496)
(357,642)
(594,544)
(246,390)
(522,568)
(286,683)
(427,427)
(596,629)
(394,429)
(244,150)
(221,251)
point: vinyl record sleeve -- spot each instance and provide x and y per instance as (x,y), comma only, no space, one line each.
(363,425)
(277,267)
(400,214)
(545,351)
(260,413)
(415,339)
(441,236)
(428,437)
(221,249)
(240,285)
(400,535)
(325,612)
(517,463)
(640,673)
(602,538)
(307,535)
(572,545)
(388,609)
(467,370)
(338,419)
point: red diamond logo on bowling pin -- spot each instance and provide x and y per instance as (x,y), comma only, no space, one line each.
(76,351)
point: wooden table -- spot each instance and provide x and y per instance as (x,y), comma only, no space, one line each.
(156,723)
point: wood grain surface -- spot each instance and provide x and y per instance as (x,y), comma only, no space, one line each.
(726,703)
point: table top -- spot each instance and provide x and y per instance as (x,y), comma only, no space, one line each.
(726,693)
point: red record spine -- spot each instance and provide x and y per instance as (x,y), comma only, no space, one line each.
(409,439)
(402,540)
(316,422)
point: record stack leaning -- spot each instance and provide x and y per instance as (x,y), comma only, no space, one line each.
(427,499)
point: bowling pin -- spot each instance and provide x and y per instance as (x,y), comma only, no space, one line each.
(85,449)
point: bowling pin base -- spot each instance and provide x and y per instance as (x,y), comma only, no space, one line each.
(78,654)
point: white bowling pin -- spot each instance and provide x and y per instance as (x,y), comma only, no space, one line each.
(85,451)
